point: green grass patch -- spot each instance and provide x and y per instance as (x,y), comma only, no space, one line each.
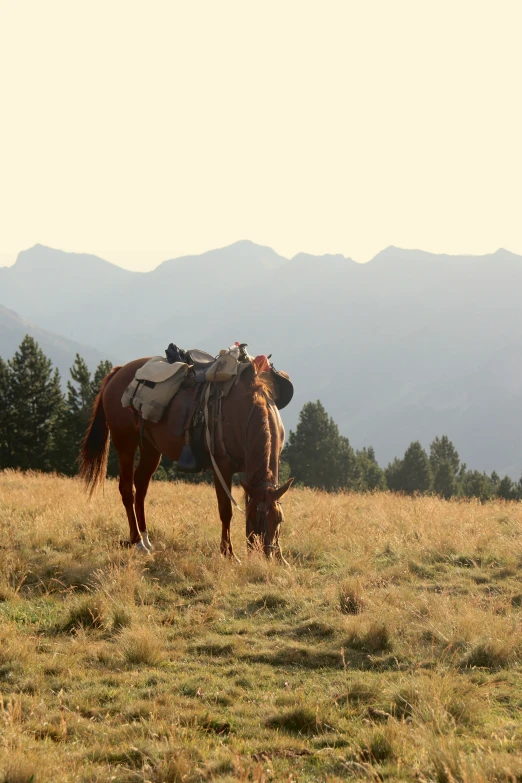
(301,720)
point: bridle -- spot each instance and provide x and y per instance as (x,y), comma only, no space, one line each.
(261,526)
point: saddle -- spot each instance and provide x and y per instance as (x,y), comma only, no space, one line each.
(210,380)
(205,367)
(195,378)
(201,363)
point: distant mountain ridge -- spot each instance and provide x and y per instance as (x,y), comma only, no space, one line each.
(62,351)
(407,346)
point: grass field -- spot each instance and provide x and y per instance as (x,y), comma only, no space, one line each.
(390,648)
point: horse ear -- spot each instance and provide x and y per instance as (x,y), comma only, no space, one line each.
(281,491)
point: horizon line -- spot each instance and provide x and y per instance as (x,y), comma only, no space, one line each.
(257,244)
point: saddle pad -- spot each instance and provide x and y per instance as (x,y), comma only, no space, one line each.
(159,369)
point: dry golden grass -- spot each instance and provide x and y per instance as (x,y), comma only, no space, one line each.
(390,648)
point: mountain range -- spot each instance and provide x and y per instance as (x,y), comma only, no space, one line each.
(59,349)
(407,346)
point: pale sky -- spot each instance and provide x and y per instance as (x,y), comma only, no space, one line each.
(143,131)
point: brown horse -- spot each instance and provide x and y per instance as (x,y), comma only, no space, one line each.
(253,436)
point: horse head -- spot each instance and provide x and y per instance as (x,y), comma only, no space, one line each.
(264,515)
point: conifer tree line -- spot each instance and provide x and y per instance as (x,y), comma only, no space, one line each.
(41,428)
(317,455)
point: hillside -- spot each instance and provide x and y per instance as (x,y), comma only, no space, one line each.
(407,346)
(59,349)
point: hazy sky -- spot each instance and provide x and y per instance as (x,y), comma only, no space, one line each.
(143,131)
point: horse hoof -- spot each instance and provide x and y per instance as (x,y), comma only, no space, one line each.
(140,547)
(228,553)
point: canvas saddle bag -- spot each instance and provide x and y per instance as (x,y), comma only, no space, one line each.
(153,387)
(225,367)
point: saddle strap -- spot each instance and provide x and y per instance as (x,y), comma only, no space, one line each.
(209,444)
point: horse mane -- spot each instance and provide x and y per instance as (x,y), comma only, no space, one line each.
(264,383)
(263,436)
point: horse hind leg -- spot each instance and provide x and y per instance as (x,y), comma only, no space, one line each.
(126,453)
(147,466)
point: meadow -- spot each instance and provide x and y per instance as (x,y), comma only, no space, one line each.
(389,649)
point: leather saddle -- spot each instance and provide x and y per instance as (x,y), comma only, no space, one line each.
(201,362)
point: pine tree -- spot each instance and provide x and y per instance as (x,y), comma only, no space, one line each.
(415,474)
(477,485)
(72,425)
(368,452)
(79,397)
(506,489)
(346,472)
(371,476)
(81,392)
(103,369)
(318,455)
(37,403)
(6,417)
(393,474)
(443,450)
(444,482)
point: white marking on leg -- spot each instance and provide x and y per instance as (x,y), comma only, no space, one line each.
(140,546)
(145,539)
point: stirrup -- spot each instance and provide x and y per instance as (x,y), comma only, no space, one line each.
(187,462)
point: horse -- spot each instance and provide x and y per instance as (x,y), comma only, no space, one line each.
(252,440)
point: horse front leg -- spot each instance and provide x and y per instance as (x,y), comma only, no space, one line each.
(149,461)
(225,512)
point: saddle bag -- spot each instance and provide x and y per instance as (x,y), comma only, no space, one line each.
(225,367)
(153,387)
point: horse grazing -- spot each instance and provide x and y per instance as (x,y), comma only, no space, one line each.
(251,442)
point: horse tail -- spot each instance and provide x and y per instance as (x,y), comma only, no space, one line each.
(94,451)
